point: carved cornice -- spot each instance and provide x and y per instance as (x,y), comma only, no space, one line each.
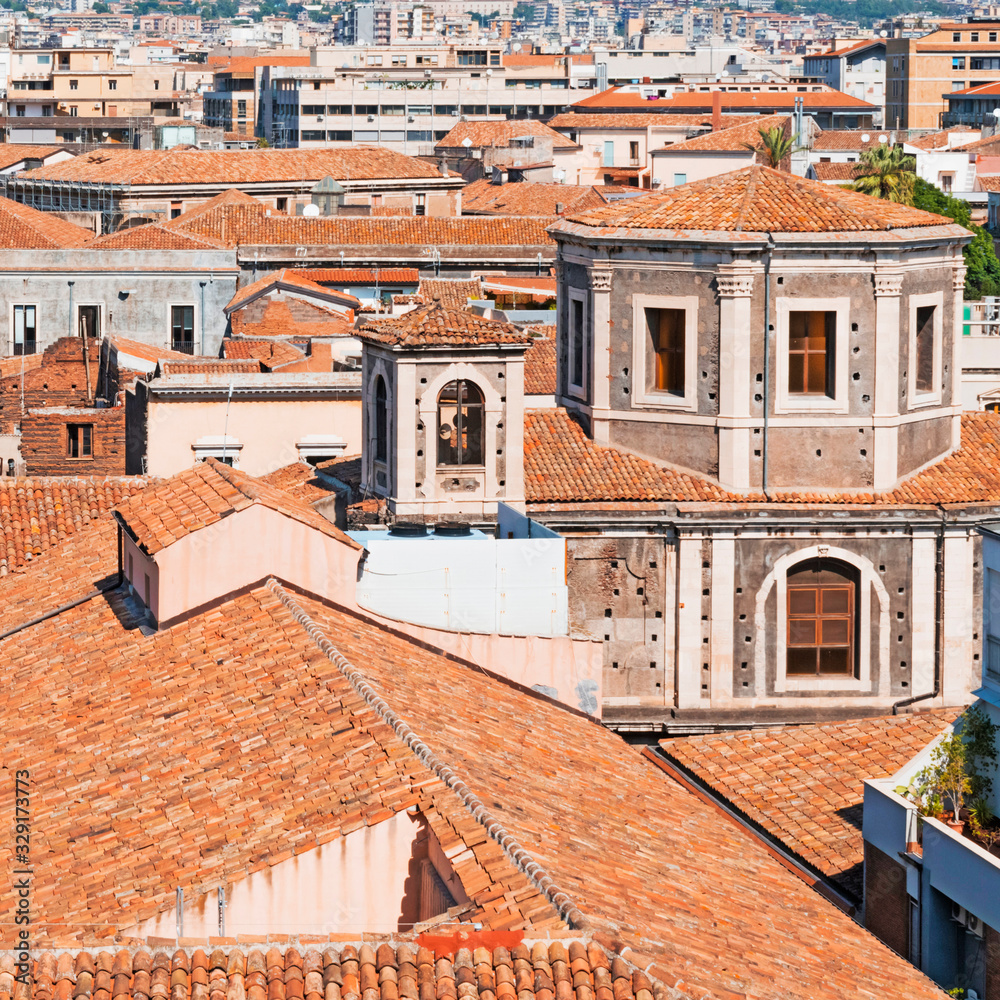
(888,284)
(733,286)
(958,279)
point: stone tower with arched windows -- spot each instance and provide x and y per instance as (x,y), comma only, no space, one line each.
(443,417)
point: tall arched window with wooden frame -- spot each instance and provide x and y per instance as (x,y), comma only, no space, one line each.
(822,621)
(461,411)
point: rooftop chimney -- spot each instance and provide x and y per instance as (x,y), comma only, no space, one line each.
(716,110)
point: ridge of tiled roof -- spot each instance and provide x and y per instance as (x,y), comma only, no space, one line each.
(269,353)
(147,352)
(849,140)
(155,236)
(360,275)
(845,172)
(563,465)
(210,366)
(757,199)
(25,228)
(730,99)
(201,496)
(730,138)
(231,196)
(990,143)
(277,319)
(500,133)
(452,293)
(300,481)
(438,325)
(233,167)
(577,119)
(39,513)
(14,152)
(571,969)
(804,784)
(939,140)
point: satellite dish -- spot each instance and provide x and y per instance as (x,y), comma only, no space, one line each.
(310,211)
(866,138)
(466,142)
(883,138)
(883,33)
(516,47)
(996,112)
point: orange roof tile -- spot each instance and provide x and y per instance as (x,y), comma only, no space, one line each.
(729,139)
(483,197)
(147,352)
(270,354)
(14,152)
(450,292)
(286,279)
(438,325)
(850,140)
(540,367)
(154,236)
(360,276)
(202,495)
(845,173)
(500,133)
(583,120)
(757,199)
(731,100)
(285,318)
(300,481)
(804,784)
(210,366)
(24,228)
(233,167)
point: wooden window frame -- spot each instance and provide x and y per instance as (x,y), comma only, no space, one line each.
(917,397)
(644,394)
(819,617)
(838,378)
(828,353)
(79,438)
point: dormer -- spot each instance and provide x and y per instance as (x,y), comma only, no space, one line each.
(213,531)
(443,418)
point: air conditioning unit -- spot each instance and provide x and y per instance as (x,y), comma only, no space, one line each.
(958,914)
(973,925)
(371,118)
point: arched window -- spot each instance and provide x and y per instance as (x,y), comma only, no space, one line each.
(460,424)
(381,421)
(822,619)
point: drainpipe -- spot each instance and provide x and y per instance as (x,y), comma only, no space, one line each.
(769,247)
(70,331)
(938,621)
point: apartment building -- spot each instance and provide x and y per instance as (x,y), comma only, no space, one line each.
(231,103)
(170,24)
(920,71)
(405,97)
(385,23)
(858,70)
(87,82)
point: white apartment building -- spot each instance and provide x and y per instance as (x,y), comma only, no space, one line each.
(408,96)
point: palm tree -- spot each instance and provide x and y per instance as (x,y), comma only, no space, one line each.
(886,172)
(774,144)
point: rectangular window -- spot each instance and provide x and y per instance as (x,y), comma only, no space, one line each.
(608,159)
(958,62)
(956,36)
(924,374)
(182,328)
(89,320)
(975,36)
(421,206)
(680,179)
(74,84)
(633,153)
(79,440)
(820,630)
(667,329)
(24,330)
(73,111)
(993,36)
(577,343)
(112,84)
(811,353)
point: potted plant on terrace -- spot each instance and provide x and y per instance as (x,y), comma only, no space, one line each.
(945,781)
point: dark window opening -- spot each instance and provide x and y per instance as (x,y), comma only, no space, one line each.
(182,329)
(576,346)
(79,440)
(811,353)
(666,332)
(460,424)
(381,421)
(925,348)
(90,321)
(24,330)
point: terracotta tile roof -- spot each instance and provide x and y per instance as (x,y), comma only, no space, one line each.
(989,183)
(575,969)
(841,172)
(154,236)
(988,145)
(528,198)
(436,325)
(12,153)
(495,133)
(233,167)
(849,140)
(562,465)
(360,276)
(286,279)
(731,139)
(249,224)
(856,47)
(451,293)
(541,287)
(147,352)
(281,318)
(642,862)
(584,119)
(939,140)
(731,100)
(202,495)
(804,784)
(540,367)
(24,228)
(985,89)
(36,515)
(757,199)
(300,481)
(213,366)
(270,354)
